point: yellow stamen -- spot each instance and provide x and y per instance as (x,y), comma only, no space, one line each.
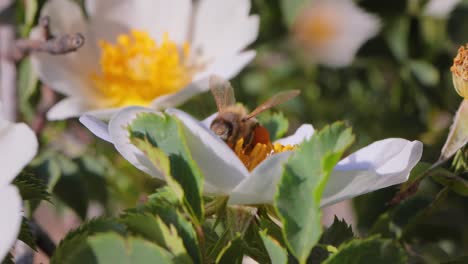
(460,72)
(251,158)
(136,69)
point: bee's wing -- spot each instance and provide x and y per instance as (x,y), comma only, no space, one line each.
(273,101)
(222,91)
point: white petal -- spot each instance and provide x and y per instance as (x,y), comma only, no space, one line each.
(260,187)
(104,114)
(18,146)
(207,121)
(60,73)
(66,18)
(224,27)
(153,16)
(220,166)
(120,137)
(68,107)
(304,132)
(172,100)
(96,126)
(351,26)
(10,222)
(379,165)
(101,7)
(440,8)
(226,67)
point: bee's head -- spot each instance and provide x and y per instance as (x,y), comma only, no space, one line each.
(222,128)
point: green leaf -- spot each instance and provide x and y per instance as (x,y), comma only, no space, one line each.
(113,248)
(47,168)
(371,250)
(278,255)
(460,260)
(162,139)
(27,87)
(291,10)
(77,237)
(232,252)
(426,73)
(26,234)
(155,230)
(165,205)
(397,35)
(71,188)
(277,124)
(452,181)
(31,187)
(338,233)
(301,186)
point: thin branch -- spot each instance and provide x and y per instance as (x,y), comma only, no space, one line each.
(54,45)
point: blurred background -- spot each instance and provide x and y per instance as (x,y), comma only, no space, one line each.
(399,84)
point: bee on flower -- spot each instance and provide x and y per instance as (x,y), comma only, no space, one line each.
(155,54)
(247,168)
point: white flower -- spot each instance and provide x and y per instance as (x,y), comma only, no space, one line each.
(440,8)
(332,31)
(381,164)
(18,145)
(154,53)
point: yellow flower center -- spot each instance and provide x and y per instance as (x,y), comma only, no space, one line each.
(316,26)
(460,72)
(251,158)
(137,69)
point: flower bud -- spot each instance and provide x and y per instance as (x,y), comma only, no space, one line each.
(459,71)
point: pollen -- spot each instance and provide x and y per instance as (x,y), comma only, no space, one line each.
(137,69)
(459,71)
(251,158)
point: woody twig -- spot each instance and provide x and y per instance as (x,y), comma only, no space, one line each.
(54,45)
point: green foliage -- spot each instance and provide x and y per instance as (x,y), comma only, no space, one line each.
(163,204)
(155,230)
(162,139)
(27,88)
(77,238)
(277,253)
(291,9)
(338,233)
(26,234)
(31,188)
(371,250)
(112,248)
(304,178)
(231,253)
(276,124)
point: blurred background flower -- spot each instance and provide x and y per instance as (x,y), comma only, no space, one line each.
(151,53)
(440,8)
(332,31)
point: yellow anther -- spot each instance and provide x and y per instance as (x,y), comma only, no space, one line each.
(136,69)
(259,153)
(460,72)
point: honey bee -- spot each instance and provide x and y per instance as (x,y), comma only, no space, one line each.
(234,122)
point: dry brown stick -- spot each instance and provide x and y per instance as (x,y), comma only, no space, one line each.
(55,45)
